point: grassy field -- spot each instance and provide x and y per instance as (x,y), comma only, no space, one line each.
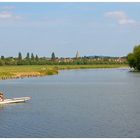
(10,72)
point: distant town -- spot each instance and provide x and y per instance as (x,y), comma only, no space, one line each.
(32,59)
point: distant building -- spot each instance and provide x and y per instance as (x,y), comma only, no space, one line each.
(77,54)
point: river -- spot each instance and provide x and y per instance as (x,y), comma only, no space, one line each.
(74,103)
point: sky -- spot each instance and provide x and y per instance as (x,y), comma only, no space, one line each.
(110,29)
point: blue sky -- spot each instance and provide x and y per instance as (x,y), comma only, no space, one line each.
(91,28)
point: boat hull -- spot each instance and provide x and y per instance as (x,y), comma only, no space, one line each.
(15,100)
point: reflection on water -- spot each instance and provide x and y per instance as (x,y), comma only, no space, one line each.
(75,103)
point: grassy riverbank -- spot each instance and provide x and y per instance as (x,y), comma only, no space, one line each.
(11,72)
(63,67)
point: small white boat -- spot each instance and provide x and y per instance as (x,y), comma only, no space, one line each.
(15,100)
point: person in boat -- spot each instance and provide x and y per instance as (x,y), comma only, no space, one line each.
(1,97)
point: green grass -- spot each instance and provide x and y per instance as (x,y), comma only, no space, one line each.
(27,68)
(4,75)
(60,67)
(8,72)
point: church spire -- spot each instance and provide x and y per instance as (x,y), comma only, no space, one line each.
(77,54)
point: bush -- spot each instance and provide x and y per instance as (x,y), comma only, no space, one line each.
(134,58)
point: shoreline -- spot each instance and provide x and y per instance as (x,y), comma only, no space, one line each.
(20,72)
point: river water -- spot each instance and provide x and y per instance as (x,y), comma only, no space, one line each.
(74,103)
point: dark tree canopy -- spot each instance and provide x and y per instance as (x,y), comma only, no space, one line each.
(28,56)
(134,58)
(53,56)
(32,56)
(19,56)
(36,57)
(2,57)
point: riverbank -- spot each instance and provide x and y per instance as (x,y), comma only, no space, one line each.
(96,66)
(14,72)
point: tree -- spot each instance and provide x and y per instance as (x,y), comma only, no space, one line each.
(53,56)
(36,57)
(2,57)
(28,56)
(19,56)
(32,56)
(134,58)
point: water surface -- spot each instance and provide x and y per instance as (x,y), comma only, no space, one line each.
(75,103)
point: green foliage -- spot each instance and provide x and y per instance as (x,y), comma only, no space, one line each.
(32,56)
(28,56)
(2,63)
(19,56)
(35,60)
(134,58)
(2,57)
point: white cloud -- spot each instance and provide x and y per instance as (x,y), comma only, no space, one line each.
(5,15)
(121,18)
(7,8)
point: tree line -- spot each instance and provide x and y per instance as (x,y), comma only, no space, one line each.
(32,59)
